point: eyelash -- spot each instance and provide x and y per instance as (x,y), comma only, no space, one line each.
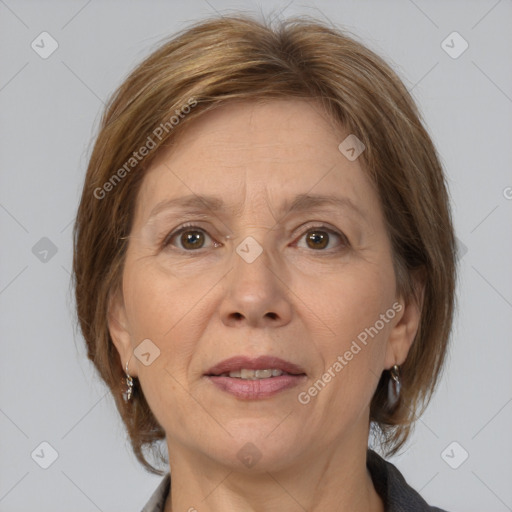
(166,241)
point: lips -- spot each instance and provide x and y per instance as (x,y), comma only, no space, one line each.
(225,377)
(260,363)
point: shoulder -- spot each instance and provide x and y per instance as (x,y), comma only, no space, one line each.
(157,501)
(396,493)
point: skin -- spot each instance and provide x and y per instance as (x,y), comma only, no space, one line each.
(295,301)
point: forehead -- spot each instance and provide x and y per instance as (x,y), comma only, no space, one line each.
(259,151)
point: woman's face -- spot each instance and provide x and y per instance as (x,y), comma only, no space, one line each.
(307,283)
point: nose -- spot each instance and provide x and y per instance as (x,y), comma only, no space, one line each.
(257,294)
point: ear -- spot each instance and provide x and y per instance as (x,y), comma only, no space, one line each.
(406,324)
(119,330)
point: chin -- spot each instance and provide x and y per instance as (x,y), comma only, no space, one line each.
(257,445)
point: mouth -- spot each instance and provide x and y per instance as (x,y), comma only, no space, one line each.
(253,379)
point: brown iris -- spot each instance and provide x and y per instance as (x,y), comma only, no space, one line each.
(192,239)
(319,238)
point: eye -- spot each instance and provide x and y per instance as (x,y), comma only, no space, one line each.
(191,238)
(319,237)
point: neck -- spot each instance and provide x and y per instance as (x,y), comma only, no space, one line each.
(330,480)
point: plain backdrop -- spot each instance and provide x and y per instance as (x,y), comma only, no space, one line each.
(50,108)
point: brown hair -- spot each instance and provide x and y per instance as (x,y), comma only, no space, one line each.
(237,57)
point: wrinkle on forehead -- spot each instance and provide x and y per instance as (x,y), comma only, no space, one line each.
(252,157)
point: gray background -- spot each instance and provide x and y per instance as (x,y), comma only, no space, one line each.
(50,111)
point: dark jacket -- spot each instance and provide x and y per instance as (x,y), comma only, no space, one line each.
(396,494)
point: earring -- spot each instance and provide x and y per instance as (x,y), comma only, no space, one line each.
(127,394)
(394,386)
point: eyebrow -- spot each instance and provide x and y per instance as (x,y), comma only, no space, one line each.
(196,203)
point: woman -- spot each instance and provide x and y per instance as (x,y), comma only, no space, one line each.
(264,258)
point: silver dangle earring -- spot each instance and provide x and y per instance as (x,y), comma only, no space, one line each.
(127,394)
(394,386)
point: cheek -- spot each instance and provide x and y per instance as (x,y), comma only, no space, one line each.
(350,332)
(159,302)
(167,311)
(162,309)
(346,301)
